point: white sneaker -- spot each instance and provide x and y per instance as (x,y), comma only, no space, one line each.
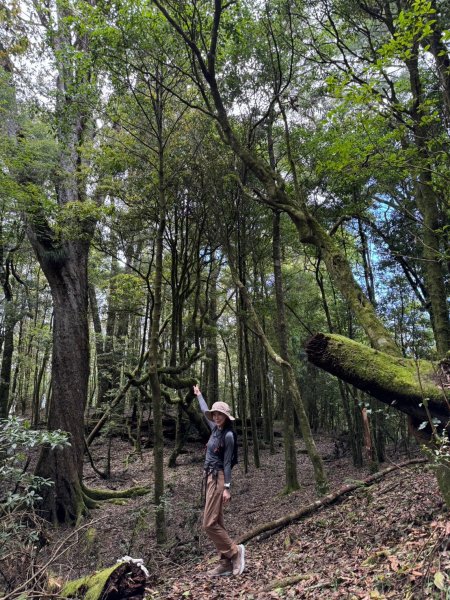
(238,560)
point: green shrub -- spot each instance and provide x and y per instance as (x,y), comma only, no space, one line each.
(21,529)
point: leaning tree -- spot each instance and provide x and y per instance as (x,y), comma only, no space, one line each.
(205,34)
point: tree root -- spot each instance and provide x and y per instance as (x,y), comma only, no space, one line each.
(95,495)
(274,526)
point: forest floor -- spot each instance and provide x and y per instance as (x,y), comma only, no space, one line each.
(388,540)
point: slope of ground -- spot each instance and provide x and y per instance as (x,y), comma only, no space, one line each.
(389,540)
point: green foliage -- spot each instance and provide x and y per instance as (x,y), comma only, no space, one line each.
(20,489)
(74,219)
(127,292)
(438,453)
(413,25)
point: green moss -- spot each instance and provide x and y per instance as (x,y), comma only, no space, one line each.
(408,377)
(91,535)
(90,587)
(89,502)
(288,490)
(98,494)
(81,508)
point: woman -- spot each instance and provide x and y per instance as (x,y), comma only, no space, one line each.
(219,453)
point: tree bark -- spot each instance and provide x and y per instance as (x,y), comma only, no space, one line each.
(212,354)
(290,455)
(153,354)
(251,395)
(242,389)
(10,320)
(414,388)
(427,203)
(70,373)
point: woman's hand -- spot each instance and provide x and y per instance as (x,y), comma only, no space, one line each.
(226,496)
(197,391)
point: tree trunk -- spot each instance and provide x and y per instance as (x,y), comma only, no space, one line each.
(427,203)
(414,388)
(70,374)
(153,355)
(38,377)
(230,371)
(10,321)
(433,264)
(63,258)
(251,398)
(242,392)
(290,455)
(212,355)
(266,402)
(368,442)
(107,367)
(10,318)
(158,448)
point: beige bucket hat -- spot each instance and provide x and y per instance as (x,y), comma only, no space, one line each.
(221,407)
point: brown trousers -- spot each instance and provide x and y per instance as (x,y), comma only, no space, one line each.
(213,523)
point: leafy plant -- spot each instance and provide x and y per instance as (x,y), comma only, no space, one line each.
(21,531)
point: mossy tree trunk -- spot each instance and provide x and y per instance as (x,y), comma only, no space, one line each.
(428,205)
(290,455)
(153,355)
(402,383)
(416,388)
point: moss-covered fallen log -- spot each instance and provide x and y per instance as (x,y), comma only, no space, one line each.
(416,388)
(122,581)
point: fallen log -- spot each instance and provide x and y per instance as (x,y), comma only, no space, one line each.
(275,526)
(414,387)
(418,388)
(122,581)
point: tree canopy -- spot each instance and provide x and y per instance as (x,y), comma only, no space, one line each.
(190,190)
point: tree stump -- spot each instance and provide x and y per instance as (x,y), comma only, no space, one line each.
(123,581)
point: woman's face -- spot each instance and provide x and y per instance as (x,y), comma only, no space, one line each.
(219,418)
